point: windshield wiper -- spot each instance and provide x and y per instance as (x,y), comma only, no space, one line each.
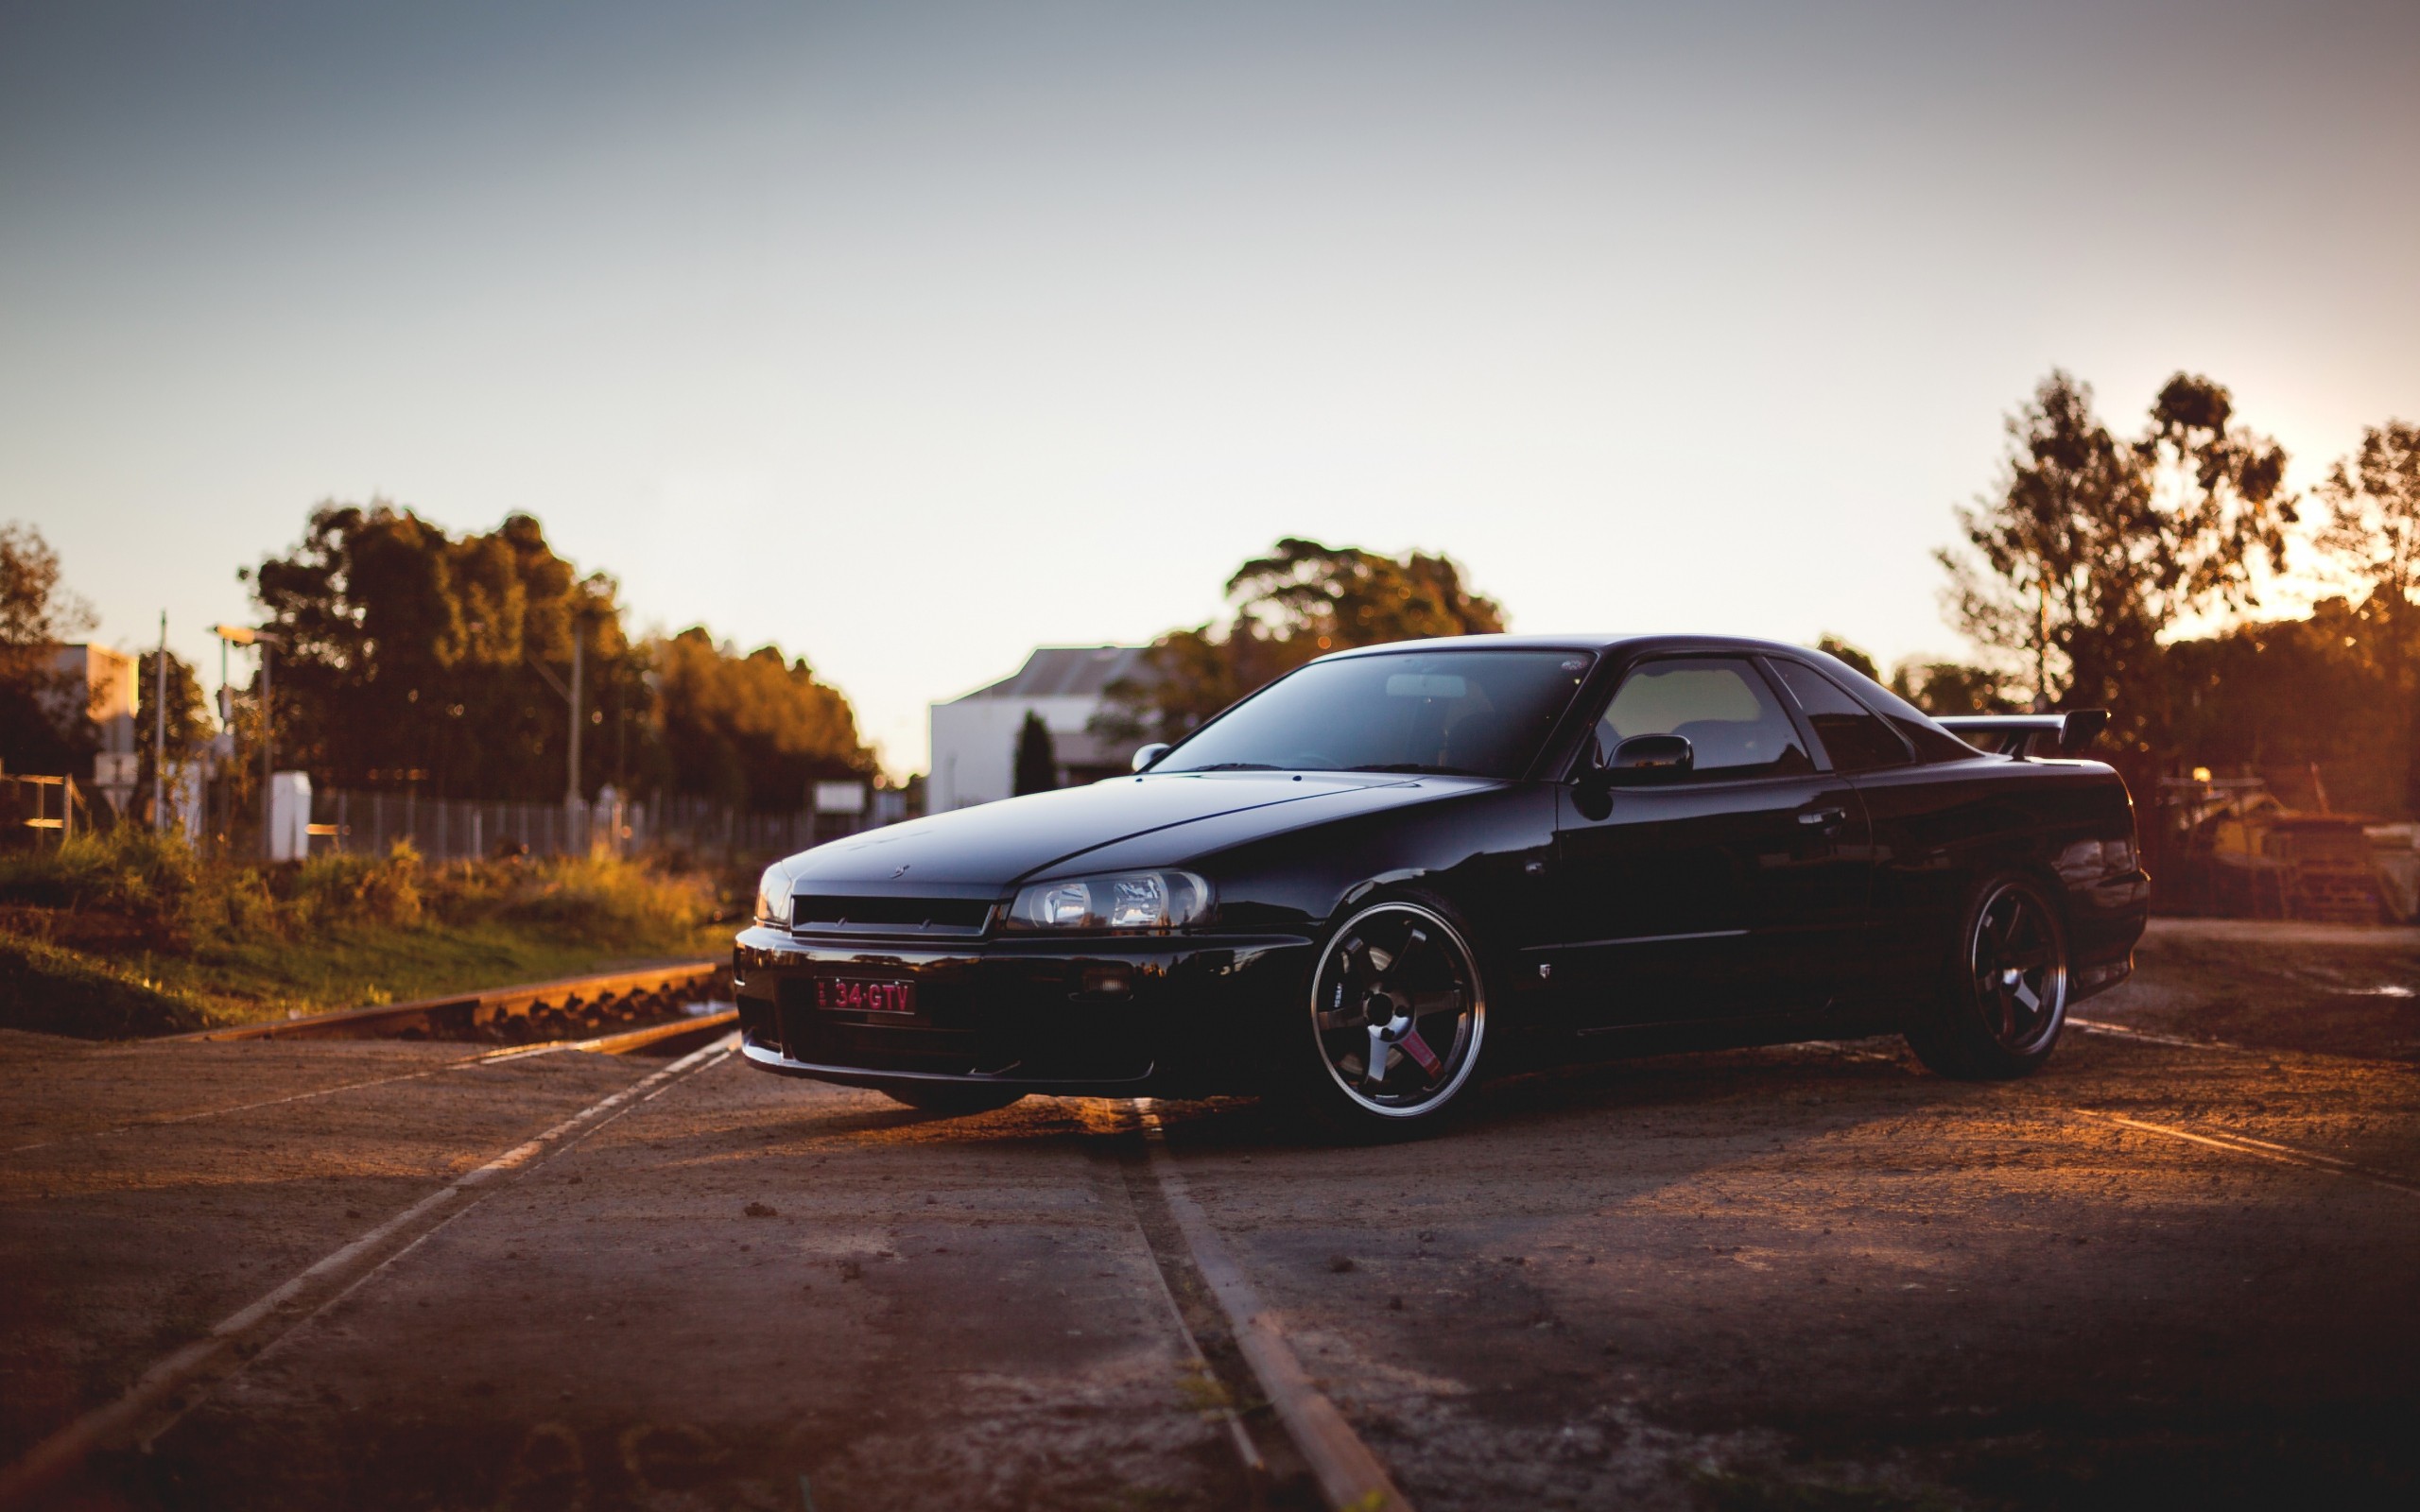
(1232,766)
(1423,767)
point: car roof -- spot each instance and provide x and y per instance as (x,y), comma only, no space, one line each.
(1599,642)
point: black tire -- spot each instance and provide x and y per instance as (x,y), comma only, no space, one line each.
(2003,996)
(1408,957)
(950,1099)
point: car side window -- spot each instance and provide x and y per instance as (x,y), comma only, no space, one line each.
(1854,736)
(1720,705)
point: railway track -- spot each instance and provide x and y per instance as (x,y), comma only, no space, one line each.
(585,1008)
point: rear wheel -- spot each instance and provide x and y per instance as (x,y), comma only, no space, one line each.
(950,1099)
(1999,1012)
(1397,1017)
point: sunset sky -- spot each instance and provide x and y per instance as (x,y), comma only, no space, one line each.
(911,336)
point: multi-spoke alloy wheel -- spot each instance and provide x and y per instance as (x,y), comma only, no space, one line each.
(1397,1011)
(2003,1008)
(2020,976)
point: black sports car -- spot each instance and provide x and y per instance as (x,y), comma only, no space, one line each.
(1397,865)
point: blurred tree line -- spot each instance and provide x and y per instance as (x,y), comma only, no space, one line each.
(2078,572)
(409,657)
(37,616)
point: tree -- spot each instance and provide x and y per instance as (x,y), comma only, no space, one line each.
(1301,601)
(2373,532)
(188,726)
(411,655)
(1855,655)
(752,729)
(1037,768)
(2281,698)
(1952,688)
(2094,549)
(1330,598)
(37,617)
(2373,525)
(406,655)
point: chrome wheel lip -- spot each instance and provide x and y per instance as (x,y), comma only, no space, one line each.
(2001,987)
(1466,1047)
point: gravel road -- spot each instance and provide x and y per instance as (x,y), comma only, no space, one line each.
(2176,1268)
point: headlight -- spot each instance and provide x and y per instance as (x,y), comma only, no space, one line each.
(1124,900)
(774,897)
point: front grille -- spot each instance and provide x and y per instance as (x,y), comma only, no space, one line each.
(961,914)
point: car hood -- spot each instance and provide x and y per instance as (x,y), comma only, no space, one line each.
(1000,843)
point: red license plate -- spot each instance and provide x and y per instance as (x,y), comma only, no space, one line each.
(858,994)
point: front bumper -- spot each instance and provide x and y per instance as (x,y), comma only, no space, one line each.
(1075,1016)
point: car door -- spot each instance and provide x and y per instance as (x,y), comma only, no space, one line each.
(1737,888)
(1930,818)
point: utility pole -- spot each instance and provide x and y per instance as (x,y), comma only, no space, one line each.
(269,757)
(160,732)
(571,787)
(226,815)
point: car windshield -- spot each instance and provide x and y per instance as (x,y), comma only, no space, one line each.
(1483,714)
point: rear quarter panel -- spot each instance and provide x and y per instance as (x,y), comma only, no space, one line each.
(1940,830)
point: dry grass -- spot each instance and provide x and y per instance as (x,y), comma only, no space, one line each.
(128,933)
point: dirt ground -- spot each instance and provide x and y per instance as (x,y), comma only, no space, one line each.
(1813,1277)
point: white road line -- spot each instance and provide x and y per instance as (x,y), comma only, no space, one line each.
(467,1063)
(1350,1476)
(154,1426)
(2257,1149)
(60,1453)
(2130,1032)
(2231,1144)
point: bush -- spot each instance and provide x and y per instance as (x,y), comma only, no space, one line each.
(157,883)
(127,870)
(333,890)
(607,898)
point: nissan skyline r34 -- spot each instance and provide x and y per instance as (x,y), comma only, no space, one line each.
(1398,868)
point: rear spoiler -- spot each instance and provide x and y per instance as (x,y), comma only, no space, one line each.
(2023,735)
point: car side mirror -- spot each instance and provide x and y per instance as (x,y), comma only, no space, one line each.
(1147,756)
(1644,758)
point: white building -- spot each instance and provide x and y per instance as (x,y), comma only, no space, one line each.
(974,738)
(104,680)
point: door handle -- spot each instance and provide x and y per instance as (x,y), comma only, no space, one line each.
(1827,820)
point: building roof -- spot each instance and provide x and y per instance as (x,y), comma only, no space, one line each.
(1067,671)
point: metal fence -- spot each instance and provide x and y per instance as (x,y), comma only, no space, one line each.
(451,829)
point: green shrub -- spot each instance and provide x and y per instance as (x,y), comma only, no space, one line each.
(606,898)
(346,889)
(127,870)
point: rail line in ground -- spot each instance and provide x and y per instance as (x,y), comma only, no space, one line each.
(661,1039)
(174,1384)
(517,1014)
(1349,1476)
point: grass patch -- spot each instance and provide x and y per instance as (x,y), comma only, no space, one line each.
(127,933)
(50,989)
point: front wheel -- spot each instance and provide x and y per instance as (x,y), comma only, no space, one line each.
(1396,1020)
(1999,1011)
